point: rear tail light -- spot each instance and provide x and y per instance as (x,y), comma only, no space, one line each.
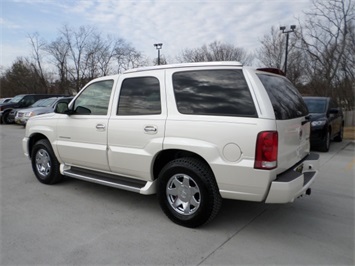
(266,150)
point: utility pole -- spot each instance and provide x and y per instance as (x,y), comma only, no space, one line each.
(158,46)
(292,29)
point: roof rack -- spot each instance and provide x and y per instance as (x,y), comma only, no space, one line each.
(197,64)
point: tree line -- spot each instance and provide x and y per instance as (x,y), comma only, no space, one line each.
(321,56)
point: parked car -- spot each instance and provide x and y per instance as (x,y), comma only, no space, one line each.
(20,101)
(327,121)
(4,100)
(193,133)
(13,113)
(42,106)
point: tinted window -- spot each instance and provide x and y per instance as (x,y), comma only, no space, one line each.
(213,92)
(16,99)
(316,105)
(95,98)
(332,104)
(139,96)
(285,98)
(27,100)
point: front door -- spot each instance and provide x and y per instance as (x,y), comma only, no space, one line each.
(82,135)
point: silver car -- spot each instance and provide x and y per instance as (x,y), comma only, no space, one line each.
(4,100)
(43,106)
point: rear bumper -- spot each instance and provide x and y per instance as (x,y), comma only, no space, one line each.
(294,182)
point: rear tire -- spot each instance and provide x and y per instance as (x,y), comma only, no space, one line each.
(188,193)
(44,163)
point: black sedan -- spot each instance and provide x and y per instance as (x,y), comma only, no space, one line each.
(327,121)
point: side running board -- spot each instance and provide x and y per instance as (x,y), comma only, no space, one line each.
(105,179)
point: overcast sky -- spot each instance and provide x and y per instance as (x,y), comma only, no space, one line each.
(176,24)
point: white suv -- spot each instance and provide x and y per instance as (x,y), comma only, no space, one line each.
(192,133)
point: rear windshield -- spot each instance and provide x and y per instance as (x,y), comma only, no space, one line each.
(285,98)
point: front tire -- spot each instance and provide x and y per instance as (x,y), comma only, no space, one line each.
(326,142)
(44,163)
(339,137)
(5,118)
(188,193)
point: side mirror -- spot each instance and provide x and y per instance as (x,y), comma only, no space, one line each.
(61,108)
(82,110)
(334,111)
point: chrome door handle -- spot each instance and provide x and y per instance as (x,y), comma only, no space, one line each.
(100,126)
(151,129)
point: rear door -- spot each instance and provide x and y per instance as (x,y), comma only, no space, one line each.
(137,124)
(291,119)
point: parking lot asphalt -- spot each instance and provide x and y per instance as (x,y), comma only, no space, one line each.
(80,223)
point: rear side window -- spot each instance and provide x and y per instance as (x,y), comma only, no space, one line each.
(28,100)
(285,98)
(140,96)
(213,92)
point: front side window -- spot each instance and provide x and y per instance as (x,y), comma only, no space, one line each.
(94,100)
(213,92)
(140,96)
(285,98)
(27,101)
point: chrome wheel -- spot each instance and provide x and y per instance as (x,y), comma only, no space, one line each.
(43,163)
(183,194)
(188,193)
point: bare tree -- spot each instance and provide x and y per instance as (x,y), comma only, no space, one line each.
(20,78)
(59,50)
(106,55)
(38,50)
(327,40)
(77,42)
(215,51)
(272,49)
(128,57)
(272,54)
(78,55)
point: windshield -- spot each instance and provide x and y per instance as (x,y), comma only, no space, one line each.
(316,105)
(38,103)
(44,102)
(16,99)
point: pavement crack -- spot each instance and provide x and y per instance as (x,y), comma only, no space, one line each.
(232,236)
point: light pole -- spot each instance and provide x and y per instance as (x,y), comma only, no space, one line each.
(292,29)
(158,46)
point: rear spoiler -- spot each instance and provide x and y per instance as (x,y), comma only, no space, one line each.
(272,70)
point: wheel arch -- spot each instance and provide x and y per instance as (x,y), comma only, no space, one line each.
(167,156)
(33,139)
